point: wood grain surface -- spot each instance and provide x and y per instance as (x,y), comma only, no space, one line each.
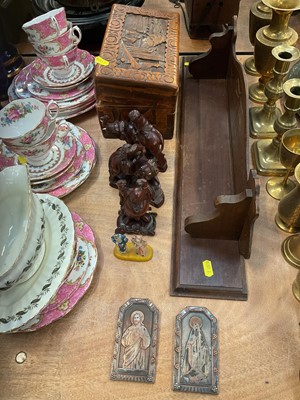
(71,359)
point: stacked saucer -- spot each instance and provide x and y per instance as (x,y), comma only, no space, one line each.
(63,268)
(62,72)
(64,164)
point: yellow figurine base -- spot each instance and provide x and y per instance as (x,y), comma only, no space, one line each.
(131,255)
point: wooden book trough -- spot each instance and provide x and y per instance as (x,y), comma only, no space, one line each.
(216,193)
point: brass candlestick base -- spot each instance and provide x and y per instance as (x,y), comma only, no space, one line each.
(265,156)
(257,92)
(249,66)
(262,123)
(277,190)
(284,227)
(296,287)
(290,250)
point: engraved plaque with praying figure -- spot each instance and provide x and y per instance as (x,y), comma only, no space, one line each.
(196,351)
(136,342)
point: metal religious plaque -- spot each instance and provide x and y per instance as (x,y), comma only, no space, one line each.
(196,351)
(135,346)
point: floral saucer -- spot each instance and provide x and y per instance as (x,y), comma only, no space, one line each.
(88,164)
(82,69)
(75,285)
(80,110)
(85,98)
(23,302)
(68,94)
(64,151)
(47,185)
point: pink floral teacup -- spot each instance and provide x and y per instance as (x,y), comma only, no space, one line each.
(47,26)
(61,64)
(60,45)
(41,152)
(25,121)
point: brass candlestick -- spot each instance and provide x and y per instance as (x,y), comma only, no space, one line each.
(288,213)
(262,118)
(268,37)
(296,287)
(289,151)
(290,250)
(265,152)
(260,15)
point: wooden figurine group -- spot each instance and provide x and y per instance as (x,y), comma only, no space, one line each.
(133,170)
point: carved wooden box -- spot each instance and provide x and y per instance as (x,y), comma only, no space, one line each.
(140,50)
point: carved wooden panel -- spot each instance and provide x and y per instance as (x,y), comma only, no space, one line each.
(141,71)
(141,46)
(196,351)
(136,338)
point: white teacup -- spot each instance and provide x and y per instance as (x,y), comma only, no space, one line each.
(60,45)
(15,215)
(47,26)
(24,122)
(32,252)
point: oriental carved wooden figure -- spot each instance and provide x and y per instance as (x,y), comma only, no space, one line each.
(133,169)
(196,351)
(136,342)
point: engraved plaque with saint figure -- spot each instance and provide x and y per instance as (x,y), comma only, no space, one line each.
(136,342)
(196,351)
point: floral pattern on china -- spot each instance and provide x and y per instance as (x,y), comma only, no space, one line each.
(16,112)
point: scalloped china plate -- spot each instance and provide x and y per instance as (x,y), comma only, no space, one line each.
(43,94)
(64,151)
(23,302)
(88,164)
(75,285)
(44,186)
(82,69)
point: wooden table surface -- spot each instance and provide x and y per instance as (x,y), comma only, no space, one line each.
(71,359)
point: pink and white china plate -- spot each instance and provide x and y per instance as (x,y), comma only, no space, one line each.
(45,95)
(88,164)
(44,186)
(85,98)
(73,288)
(80,110)
(64,151)
(82,68)
(21,303)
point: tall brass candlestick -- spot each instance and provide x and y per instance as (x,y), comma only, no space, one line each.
(265,152)
(262,118)
(260,15)
(268,37)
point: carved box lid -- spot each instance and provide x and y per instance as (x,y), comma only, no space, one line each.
(141,50)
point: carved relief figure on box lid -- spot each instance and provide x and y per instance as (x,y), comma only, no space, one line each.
(143,43)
